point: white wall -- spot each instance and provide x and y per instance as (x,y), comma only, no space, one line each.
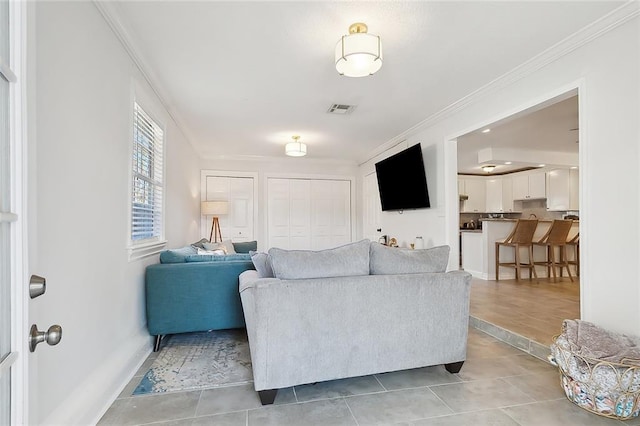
(607,70)
(80,98)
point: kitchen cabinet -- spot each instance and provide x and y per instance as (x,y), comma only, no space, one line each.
(475,189)
(562,190)
(574,189)
(529,186)
(499,195)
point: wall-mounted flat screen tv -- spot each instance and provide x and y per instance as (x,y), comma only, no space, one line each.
(402,181)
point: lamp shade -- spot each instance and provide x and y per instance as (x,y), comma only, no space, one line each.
(214,208)
(358,54)
(295,149)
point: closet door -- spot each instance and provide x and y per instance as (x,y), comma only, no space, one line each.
(299,214)
(372,209)
(278,209)
(308,214)
(330,213)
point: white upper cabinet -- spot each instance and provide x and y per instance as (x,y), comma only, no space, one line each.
(529,186)
(574,189)
(499,194)
(558,189)
(562,190)
(476,190)
(494,195)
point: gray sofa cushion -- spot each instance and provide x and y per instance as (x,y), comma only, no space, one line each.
(389,260)
(262,263)
(347,260)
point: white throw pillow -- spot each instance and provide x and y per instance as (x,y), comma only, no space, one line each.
(225,245)
(217,252)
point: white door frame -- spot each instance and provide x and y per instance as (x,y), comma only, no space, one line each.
(13,69)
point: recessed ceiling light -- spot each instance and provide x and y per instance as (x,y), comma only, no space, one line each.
(541,165)
(487,130)
(508,162)
(574,167)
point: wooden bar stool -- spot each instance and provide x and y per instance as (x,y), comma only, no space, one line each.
(556,238)
(521,236)
(575,243)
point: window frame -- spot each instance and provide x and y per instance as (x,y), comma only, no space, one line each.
(141,248)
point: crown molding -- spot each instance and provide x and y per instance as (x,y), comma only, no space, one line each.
(110,10)
(272,159)
(596,29)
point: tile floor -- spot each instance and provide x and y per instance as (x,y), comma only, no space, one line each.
(498,385)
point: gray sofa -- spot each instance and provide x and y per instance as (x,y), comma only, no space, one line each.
(355,310)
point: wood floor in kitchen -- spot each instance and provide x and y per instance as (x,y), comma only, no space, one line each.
(532,309)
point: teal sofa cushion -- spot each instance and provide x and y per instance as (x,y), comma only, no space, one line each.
(178,255)
(217,257)
(245,246)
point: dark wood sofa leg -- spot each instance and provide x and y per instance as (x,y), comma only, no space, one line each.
(454,367)
(267,396)
(156,345)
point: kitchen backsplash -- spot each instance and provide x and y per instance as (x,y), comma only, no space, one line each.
(526,208)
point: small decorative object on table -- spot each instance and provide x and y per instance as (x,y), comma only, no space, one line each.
(599,370)
(419,243)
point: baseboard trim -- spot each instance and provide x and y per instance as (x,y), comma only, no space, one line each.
(88,402)
(522,343)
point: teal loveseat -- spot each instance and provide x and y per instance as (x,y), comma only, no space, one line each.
(199,293)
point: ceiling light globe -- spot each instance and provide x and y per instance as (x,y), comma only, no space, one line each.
(358,55)
(295,149)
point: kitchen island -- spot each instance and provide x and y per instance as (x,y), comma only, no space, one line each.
(478,247)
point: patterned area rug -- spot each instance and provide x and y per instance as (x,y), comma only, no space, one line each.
(192,361)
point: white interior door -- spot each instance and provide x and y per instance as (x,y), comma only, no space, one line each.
(239,191)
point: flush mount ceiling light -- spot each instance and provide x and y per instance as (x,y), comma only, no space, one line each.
(488,169)
(296,148)
(358,54)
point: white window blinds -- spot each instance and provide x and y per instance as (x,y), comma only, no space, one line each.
(147,184)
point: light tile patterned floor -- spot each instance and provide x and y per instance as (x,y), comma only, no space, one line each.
(498,385)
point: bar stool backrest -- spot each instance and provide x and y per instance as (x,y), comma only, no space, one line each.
(523,231)
(558,232)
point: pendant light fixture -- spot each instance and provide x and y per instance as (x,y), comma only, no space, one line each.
(296,148)
(359,53)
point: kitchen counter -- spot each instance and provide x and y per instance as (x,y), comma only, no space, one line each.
(515,220)
(479,252)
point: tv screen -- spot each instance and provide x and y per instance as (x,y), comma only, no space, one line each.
(402,181)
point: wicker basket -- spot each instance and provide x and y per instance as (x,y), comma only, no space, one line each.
(601,387)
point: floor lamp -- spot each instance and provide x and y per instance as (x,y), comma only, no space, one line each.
(214,208)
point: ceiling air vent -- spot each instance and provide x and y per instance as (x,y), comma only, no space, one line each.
(340,109)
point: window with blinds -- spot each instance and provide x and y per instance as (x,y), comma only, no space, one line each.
(147,182)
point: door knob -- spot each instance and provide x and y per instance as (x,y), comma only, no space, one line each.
(52,336)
